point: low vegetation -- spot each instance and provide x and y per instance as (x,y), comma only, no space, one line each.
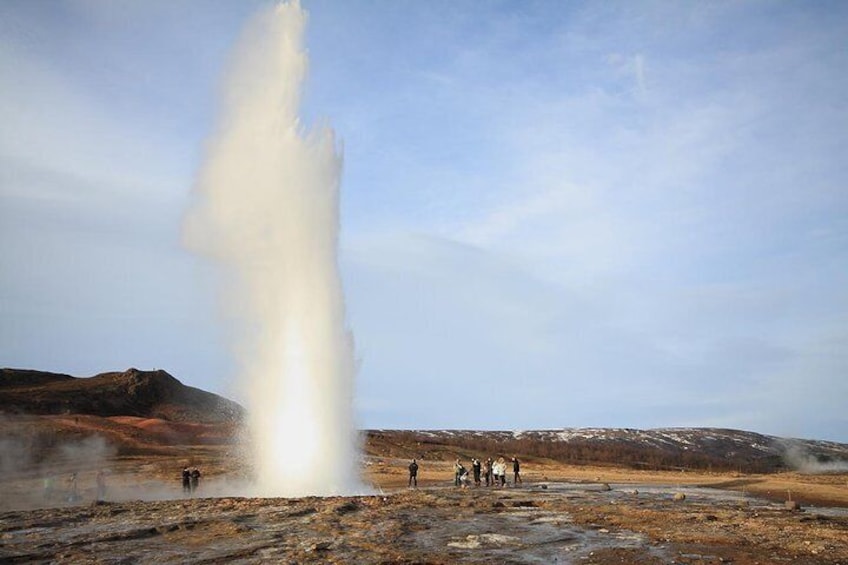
(580,452)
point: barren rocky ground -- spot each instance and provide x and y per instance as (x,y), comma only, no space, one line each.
(561,513)
(558,515)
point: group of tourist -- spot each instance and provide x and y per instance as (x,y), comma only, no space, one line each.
(191,479)
(493,472)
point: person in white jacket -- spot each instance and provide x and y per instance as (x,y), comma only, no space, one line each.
(501,471)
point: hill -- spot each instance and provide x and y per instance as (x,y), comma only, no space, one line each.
(151,411)
(57,420)
(144,394)
(657,449)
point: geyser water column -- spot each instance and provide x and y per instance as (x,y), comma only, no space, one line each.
(267,208)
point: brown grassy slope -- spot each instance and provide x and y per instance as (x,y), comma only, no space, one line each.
(390,452)
(660,449)
(387,458)
(146,394)
(40,438)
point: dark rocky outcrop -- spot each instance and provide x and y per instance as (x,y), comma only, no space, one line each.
(147,394)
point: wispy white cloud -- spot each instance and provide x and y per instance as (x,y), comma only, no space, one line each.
(623,214)
(655,209)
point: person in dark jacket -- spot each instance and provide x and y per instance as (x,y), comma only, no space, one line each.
(516,468)
(195,478)
(186,480)
(413,473)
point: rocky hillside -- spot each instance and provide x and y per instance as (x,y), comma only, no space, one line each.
(660,449)
(145,394)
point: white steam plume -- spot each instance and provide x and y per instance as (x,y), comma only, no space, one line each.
(268,210)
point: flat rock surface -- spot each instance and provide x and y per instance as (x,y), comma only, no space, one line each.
(562,523)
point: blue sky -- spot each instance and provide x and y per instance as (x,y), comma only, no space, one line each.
(553,214)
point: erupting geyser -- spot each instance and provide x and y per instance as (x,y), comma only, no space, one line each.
(268,209)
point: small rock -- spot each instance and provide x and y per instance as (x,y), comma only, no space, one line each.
(679,496)
(321,546)
(349,506)
(470,542)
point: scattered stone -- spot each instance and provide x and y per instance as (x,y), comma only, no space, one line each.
(679,497)
(605,487)
(302,512)
(470,542)
(320,546)
(347,507)
(792,505)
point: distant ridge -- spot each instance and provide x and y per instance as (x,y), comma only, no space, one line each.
(660,448)
(146,394)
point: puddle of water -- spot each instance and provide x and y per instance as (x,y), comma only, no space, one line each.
(630,491)
(526,536)
(534,535)
(828,511)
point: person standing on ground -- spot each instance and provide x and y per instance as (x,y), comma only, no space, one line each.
(487,471)
(463,476)
(516,467)
(502,471)
(195,479)
(457,472)
(186,481)
(413,474)
(475,466)
(74,494)
(101,485)
(49,483)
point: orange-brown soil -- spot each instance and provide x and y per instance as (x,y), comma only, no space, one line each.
(560,512)
(819,490)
